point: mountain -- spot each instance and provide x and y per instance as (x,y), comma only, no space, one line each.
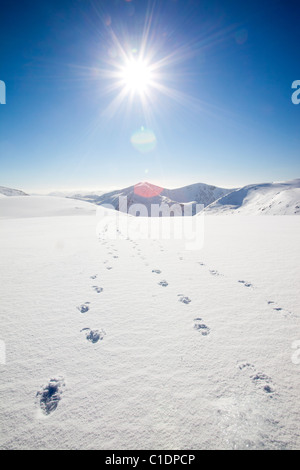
(11,192)
(282,198)
(148,194)
(79,194)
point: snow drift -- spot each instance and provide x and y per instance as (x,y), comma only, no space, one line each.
(42,206)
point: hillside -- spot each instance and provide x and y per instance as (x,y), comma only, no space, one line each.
(260,199)
(42,206)
(11,192)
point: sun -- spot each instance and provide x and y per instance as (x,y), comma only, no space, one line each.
(136,76)
(138,72)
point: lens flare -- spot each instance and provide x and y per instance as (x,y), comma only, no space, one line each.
(144,140)
(147,190)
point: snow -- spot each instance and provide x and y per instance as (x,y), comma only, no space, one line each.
(42,206)
(261,199)
(279,198)
(204,362)
(11,192)
(147,194)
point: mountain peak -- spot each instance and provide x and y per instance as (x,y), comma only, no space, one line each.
(145,189)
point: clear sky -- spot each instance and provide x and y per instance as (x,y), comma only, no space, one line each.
(210,100)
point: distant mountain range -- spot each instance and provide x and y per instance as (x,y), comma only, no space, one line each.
(79,194)
(280,198)
(148,194)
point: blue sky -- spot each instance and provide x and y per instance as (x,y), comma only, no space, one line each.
(226,117)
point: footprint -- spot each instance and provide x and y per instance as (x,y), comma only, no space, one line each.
(94,277)
(276,308)
(50,395)
(246,284)
(183,299)
(246,365)
(201,327)
(156,271)
(271,302)
(84,307)
(98,289)
(262,381)
(108,267)
(200,263)
(214,272)
(163,283)
(93,335)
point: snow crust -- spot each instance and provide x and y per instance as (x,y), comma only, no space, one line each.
(126,344)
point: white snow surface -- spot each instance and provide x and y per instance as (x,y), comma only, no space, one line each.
(42,206)
(194,348)
(260,199)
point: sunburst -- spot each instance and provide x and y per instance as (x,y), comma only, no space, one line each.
(145,69)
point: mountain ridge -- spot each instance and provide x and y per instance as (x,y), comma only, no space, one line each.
(278,198)
(9,192)
(148,194)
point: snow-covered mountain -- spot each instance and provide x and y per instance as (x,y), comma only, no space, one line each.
(281,198)
(148,194)
(11,192)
